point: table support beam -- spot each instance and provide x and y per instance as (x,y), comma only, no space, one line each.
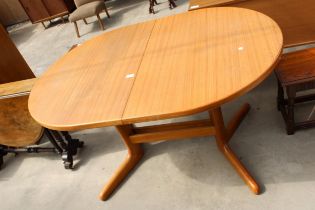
(133,136)
(172,131)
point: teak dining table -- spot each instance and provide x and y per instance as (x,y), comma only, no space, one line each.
(170,67)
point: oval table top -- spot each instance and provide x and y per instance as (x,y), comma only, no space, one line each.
(169,67)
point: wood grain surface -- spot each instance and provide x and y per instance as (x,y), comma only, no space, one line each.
(165,68)
(12,89)
(198,60)
(297,67)
(196,4)
(295,17)
(17,127)
(89,86)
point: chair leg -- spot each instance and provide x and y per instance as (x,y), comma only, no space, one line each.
(2,154)
(43,25)
(172,4)
(151,8)
(76,29)
(290,121)
(107,12)
(100,21)
(84,20)
(280,97)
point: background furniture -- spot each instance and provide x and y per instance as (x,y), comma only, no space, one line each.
(171,67)
(295,18)
(296,72)
(20,133)
(85,9)
(12,65)
(44,10)
(18,129)
(171,4)
(11,12)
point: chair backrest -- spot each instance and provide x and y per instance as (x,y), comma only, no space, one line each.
(81,2)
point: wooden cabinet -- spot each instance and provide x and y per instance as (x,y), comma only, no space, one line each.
(11,12)
(12,65)
(42,10)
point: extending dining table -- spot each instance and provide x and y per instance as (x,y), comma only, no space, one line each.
(161,69)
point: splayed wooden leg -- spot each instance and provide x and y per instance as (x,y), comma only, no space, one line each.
(134,155)
(223,134)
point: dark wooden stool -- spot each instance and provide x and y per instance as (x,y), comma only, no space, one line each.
(296,72)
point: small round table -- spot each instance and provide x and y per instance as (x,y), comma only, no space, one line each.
(165,68)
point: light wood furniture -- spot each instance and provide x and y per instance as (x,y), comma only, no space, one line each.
(170,67)
(12,65)
(295,73)
(295,18)
(18,88)
(46,10)
(196,4)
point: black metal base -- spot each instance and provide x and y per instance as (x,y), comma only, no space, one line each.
(71,150)
(63,144)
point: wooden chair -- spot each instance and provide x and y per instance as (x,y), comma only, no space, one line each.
(85,9)
(295,73)
(20,133)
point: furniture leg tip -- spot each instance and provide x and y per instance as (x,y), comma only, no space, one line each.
(247,106)
(290,133)
(256,191)
(103,197)
(255,188)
